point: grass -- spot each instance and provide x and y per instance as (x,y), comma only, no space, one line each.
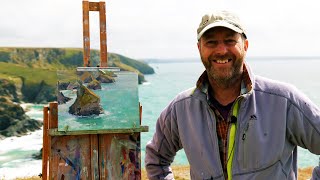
(31,75)
(182,173)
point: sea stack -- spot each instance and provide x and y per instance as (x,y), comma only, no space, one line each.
(94,85)
(104,78)
(86,104)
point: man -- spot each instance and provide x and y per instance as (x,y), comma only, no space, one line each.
(233,124)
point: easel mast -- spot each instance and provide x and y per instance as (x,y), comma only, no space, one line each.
(94,6)
(90,154)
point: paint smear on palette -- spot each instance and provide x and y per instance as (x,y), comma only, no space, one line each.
(123,160)
(73,157)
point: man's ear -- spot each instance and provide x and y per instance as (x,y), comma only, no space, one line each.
(246,44)
(198,44)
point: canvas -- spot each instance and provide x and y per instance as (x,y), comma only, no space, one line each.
(94,98)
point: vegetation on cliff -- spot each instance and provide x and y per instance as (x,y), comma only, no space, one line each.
(34,70)
(31,75)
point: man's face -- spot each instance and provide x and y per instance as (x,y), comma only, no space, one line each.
(222,53)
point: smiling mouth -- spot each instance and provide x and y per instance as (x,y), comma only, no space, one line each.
(222,61)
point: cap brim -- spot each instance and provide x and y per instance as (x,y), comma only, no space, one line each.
(219,24)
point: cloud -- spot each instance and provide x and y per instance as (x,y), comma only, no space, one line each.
(161,29)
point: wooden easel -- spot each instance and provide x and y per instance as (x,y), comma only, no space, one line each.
(90,154)
(94,6)
(102,154)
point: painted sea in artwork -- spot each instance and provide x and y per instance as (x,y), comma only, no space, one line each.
(118,103)
(154,95)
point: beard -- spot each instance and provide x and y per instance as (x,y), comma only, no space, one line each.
(224,76)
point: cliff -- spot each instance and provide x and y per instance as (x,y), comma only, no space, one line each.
(86,104)
(34,70)
(31,75)
(13,120)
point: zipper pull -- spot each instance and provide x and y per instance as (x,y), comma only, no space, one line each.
(244,132)
(243,136)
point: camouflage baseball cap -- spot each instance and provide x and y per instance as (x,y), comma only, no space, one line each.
(220,19)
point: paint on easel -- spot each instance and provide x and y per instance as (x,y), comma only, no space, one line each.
(123,159)
(97,99)
(73,157)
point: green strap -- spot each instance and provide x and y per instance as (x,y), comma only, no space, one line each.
(233,129)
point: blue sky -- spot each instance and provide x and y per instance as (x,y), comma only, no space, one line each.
(161,29)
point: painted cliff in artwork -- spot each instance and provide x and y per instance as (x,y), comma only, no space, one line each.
(97,99)
(87,103)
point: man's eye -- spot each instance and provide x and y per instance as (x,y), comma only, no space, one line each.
(230,42)
(211,42)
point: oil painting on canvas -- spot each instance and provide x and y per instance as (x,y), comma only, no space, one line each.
(97,99)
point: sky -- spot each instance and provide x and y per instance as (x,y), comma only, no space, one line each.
(162,29)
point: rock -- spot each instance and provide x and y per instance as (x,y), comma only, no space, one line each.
(62,99)
(141,78)
(46,93)
(86,77)
(13,120)
(86,104)
(94,85)
(72,86)
(63,85)
(109,73)
(104,78)
(7,88)
(37,155)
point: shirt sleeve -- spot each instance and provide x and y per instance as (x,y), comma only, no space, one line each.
(303,123)
(161,150)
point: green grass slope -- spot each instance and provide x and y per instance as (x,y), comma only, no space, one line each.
(34,70)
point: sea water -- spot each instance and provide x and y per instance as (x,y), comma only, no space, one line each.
(169,79)
(16,152)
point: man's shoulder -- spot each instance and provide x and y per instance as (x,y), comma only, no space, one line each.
(275,87)
(188,95)
(185,94)
(180,99)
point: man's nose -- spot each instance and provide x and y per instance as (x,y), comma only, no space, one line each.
(221,48)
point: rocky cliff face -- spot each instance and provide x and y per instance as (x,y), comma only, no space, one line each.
(30,75)
(94,85)
(36,69)
(8,89)
(86,104)
(13,120)
(104,78)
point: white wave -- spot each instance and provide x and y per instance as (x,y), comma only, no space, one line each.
(32,141)
(35,114)
(23,168)
(26,106)
(35,111)
(4,158)
(146,83)
(14,166)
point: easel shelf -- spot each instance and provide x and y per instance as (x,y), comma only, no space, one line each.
(55,132)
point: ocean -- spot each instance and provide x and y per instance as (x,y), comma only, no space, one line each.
(160,88)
